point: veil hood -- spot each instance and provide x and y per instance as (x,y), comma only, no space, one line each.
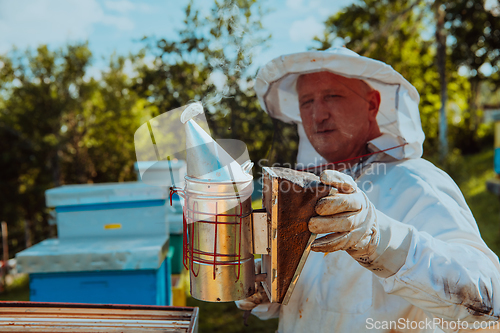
(398,116)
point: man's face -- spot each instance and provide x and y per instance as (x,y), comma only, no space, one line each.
(338,114)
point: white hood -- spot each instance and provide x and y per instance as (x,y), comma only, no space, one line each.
(398,116)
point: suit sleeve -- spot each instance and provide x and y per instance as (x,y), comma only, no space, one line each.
(432,253)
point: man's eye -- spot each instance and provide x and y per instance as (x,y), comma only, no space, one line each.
(307,102)
(333,96)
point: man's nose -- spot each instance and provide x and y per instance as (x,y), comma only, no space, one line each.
(321,111)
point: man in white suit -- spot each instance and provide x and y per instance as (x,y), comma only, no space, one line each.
(398,249)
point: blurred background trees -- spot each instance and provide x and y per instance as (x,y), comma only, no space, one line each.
(424,40)
(59,126)
(211,63)
(60,123)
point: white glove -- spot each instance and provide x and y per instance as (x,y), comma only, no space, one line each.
(260,296)
(352,224)
(348,216)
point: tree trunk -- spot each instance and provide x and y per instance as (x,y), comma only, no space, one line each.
(441,65)
(56,168)
(27,233)
(474,93)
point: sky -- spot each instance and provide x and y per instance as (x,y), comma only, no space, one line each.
(118,25)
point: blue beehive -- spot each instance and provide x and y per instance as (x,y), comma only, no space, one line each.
(163,173)
(113,247)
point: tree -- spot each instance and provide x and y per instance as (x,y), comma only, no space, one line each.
(37,93)
(221,46)
(58,126)
(474,46)
(441,67)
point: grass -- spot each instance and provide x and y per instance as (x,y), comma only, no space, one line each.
(485,206)
(17,289)
(227,318)
(469,172)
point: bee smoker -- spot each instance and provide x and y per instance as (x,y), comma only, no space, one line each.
(222,233)
(217,240)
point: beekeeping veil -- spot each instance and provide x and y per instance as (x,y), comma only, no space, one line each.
(398,116)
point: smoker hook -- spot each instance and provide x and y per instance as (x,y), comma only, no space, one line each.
(178,190)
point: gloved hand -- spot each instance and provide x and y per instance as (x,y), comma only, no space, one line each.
(348,217)
(260,296)
(352,223)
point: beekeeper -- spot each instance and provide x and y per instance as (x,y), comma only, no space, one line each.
(398,248)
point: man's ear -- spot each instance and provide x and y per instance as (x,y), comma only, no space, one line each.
(373,103)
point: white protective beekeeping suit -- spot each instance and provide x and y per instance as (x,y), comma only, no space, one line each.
(448,272)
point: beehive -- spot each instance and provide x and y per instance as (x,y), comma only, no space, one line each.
(59,317)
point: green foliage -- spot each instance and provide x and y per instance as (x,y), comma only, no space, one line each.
(17,289)
(57,126)
(60,126)
(400,34)
(471,173)
(475,41)
(221,44)
(475,35)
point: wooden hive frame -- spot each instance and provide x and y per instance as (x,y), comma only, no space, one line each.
(289,198)
(66,317)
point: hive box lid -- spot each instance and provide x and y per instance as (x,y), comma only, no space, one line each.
(82,194)
(174,165)
(161,173)
(54,255)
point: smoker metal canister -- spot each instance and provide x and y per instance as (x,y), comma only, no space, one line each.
(219,239)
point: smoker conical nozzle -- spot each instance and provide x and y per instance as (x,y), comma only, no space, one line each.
(205,158)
